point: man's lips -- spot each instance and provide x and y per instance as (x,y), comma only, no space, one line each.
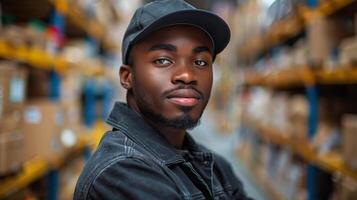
(184,101)
(184,97)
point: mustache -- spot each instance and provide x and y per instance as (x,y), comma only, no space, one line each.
(179,87)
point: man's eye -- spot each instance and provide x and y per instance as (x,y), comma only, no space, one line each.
(201,63)
(162,61)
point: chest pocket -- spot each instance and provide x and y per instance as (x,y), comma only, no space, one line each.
(185,186)
(189,190)
(222,194)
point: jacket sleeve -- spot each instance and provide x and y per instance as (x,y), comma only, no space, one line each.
(132,178)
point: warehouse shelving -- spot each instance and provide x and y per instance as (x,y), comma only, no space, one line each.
(288,27)
(91,26)
(39,58)
(277,33)
(34,56)
(331,161)
(39,167)
(264,47)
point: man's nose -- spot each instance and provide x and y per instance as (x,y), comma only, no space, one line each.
(184,73)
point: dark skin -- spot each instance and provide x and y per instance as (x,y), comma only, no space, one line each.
(171,75)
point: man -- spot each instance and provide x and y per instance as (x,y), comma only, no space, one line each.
(168,51)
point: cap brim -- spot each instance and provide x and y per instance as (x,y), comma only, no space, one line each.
(213,25)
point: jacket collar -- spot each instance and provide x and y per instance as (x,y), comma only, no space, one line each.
(133,126)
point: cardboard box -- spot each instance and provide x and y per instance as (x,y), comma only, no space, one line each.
(72,126)
(324,35)
(11,151)
(12,88)
(349,189)
(348,51)
(349,140)
(43,121)
(346,189)
(70,87)
(11,122)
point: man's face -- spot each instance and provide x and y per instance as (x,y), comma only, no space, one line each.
(172,76)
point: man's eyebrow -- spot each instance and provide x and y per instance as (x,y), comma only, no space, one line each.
(201,49)
(167,47)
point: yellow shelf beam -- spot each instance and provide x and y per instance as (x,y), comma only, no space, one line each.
(330,162)
(33,56)
(38,167)
(302,77)
(341,75)
(38,58)
(32,170)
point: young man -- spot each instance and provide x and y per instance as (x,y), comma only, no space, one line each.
(168,51)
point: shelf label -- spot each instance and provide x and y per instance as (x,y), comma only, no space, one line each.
(68,138)
(17,89)
(33,115)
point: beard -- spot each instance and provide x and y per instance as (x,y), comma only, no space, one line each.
(182,122)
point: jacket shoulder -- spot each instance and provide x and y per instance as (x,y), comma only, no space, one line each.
(129,178)
(113,148)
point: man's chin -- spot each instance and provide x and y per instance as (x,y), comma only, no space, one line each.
(181,122)
(184,122)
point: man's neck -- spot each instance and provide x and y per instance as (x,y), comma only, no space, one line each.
(175,137)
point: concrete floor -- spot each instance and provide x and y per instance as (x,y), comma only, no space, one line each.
(223,144)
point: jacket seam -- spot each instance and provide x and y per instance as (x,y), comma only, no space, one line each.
(104,166)
(124,128)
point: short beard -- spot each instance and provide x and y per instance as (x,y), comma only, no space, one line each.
(181,122)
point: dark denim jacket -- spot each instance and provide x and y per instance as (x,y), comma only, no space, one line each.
(135,162)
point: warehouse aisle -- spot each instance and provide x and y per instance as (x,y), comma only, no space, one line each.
(288,76)
(223,145)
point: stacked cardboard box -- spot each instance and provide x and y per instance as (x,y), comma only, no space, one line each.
(324,36)
(72,123)
(348,52)
(11,151)
(349,140)
(70,102)
(348,49)
(346,189)
(12,98)
(43,121)
(298,112)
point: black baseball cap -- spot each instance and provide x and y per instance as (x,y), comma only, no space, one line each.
(164,13)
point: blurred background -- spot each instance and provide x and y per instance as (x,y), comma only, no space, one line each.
(283,109)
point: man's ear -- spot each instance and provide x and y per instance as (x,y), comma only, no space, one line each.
(125,74)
